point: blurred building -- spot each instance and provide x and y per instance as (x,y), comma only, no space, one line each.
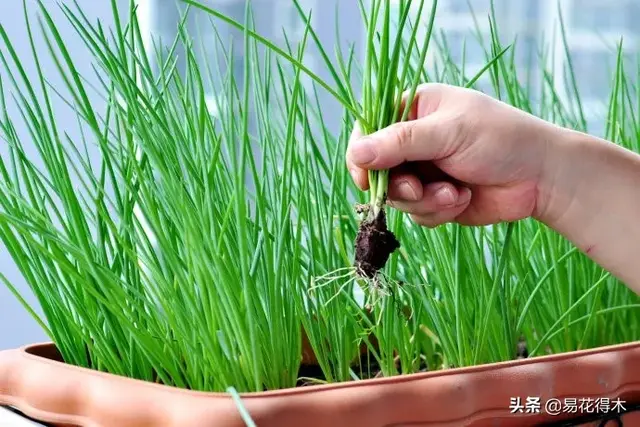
(594,27)
(272,19)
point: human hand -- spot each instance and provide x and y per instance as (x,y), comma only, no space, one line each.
(462,156)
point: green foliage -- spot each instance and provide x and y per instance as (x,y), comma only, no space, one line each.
(184,252)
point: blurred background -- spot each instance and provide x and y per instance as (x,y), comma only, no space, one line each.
(593,29)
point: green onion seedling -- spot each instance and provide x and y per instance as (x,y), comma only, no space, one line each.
(385,84)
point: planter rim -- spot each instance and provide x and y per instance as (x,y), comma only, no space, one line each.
(36,383)
(26,352)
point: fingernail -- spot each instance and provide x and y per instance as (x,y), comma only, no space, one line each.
(362,152)
(445,197)
(407,192)
(464,195)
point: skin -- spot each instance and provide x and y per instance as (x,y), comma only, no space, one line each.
(465,157)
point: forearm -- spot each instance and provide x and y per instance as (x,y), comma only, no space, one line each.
(590,193)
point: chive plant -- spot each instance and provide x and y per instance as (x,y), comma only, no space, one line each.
(387,85)
(386,77)
(202,249)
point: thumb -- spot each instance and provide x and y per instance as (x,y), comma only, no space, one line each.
(416,140)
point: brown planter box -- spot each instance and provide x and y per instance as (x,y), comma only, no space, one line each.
(34,380)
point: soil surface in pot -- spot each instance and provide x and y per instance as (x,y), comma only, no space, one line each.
(365,368)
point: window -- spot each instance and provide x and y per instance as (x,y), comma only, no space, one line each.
(526,55)
(485,85)
(459,43)
(597,128)
(630,63)
(459,6)
(462,6)
(287,19)
(597,16)
(631,17)
(532,10)
(594,72)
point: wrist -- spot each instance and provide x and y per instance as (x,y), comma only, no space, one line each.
(588,193)
(579,183)
(569,162)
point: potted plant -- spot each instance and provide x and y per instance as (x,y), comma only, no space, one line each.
(199,269)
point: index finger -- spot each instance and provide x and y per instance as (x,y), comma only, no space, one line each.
(360,176)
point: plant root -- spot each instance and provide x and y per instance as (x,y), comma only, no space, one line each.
(374,244)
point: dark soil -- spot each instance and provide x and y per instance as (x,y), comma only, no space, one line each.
(374,244)
(366,367)
(309,371)
(522,352)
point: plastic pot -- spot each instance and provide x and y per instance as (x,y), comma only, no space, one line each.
(34,380)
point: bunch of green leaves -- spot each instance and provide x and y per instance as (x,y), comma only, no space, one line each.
(156,261)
